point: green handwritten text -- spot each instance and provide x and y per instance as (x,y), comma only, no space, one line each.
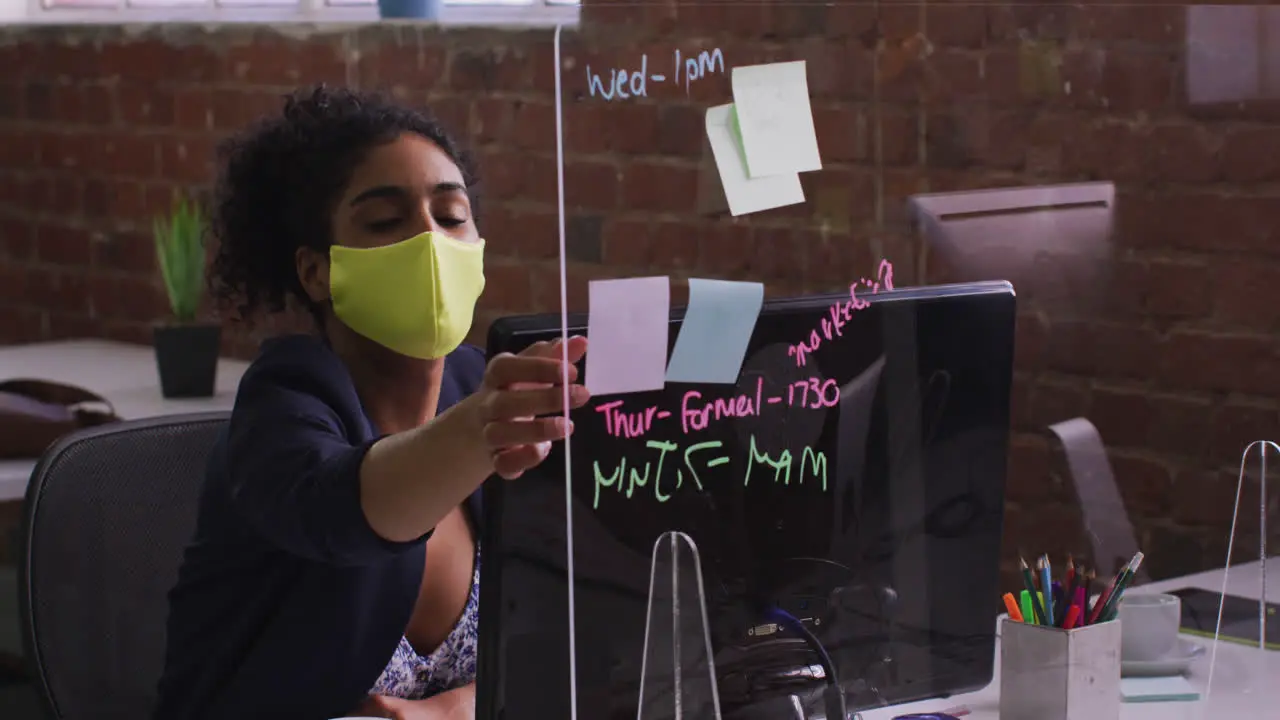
(699,462)
(815,460)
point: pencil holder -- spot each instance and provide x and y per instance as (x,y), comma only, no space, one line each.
(1048,673)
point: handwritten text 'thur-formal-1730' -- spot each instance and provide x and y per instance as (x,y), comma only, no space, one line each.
(622,83)
(697,412)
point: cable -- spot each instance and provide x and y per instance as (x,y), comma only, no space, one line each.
(832,695)
(786,619)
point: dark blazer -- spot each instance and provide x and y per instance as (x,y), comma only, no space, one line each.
(288,605)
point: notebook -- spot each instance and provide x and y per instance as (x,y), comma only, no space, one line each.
(1158,689)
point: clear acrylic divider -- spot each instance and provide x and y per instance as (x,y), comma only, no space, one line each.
(1235,610)
(886,491)
(677,673)
(758,527)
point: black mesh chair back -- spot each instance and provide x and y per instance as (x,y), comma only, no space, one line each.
(109,512)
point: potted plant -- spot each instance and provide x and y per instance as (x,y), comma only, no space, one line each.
(186,350)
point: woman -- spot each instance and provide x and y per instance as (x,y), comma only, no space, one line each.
(335,561)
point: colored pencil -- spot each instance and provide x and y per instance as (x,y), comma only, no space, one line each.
(1059,604)
(1112,596)
(1080,602)
(1072,615)
(1113,604)
(1104,597)
(1031,590)
(1046,585)
(1088,590)
(1072,580)
(1068,603)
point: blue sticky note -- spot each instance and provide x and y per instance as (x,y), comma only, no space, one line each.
(716,330)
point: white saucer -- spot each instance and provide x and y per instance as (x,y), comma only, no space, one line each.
(1177,662)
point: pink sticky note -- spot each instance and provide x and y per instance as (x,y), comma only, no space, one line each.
(627,327)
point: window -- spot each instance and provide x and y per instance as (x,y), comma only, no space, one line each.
(454,12)
(1230,57)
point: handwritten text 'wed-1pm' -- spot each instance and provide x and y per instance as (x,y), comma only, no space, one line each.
(623,83)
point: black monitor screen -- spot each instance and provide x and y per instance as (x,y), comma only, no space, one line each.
(853,478)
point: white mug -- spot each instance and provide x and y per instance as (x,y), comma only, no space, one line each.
(1149,625)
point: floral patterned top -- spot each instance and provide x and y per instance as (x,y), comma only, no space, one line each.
(451,665)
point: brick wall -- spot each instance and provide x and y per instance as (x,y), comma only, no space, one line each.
(1166,340)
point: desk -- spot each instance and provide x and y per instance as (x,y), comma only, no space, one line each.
(1245,682)
(123,373)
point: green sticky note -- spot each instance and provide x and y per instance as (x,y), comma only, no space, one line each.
(743,193)
(735,134)
(735,129)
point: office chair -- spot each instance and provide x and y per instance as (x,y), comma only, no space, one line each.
(108,513)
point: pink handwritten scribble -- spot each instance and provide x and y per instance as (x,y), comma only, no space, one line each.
(832,326)
(698,414)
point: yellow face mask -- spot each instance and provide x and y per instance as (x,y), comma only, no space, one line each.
(416,297)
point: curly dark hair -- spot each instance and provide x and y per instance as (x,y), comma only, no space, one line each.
(280,180)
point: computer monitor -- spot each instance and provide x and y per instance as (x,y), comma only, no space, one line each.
(1064,219)
(883,538)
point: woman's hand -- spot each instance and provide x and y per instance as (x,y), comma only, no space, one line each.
(517,391)
(458,704)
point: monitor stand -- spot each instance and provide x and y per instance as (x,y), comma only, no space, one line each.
(677,674)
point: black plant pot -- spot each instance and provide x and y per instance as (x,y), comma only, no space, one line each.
(187,357)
